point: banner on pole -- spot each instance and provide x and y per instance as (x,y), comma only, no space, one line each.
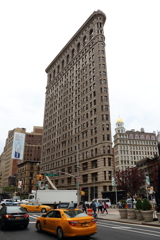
(113,182)
(147,181)
(19,184)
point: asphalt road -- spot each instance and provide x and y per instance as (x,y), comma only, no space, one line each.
(106,230)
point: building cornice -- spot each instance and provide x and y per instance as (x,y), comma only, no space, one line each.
(81,29)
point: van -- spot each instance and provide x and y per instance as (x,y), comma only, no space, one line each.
(107,200)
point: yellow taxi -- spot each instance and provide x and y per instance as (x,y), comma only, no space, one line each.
(67,223)
(35,207)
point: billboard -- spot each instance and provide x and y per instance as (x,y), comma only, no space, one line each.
(18,146)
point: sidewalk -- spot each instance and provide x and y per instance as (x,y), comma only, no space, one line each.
(113,215)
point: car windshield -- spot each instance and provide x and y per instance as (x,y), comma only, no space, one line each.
(15,209)
(75,213)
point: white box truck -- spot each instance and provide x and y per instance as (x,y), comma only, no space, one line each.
(48,197)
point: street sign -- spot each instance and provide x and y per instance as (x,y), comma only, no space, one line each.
(51,174)
(78,179)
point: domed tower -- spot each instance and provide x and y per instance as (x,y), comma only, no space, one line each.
(119,126)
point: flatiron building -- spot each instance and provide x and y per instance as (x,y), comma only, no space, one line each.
(77,129)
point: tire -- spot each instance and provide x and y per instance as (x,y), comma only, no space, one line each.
(38,226)
(43,210)
(59,233)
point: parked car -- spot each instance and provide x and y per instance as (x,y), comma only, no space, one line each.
(9,202)
(25,201)
(13,216)
(67,223)
(35,207)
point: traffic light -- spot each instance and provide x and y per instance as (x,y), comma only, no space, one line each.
(82,193)
(39,177)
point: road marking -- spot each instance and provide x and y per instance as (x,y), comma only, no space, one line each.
(129,229)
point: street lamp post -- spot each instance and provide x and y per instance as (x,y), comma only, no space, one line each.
(78,178)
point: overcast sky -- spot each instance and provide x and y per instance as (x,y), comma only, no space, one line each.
(32,32)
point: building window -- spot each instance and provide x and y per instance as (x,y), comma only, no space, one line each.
(85,166)
(91,34)
(94,177)
(78,47)
(63,171)
(72,53)
(68,58)
(84,40)
(58,69)
(109,162)
(62,64)
(69,180)
(85,178)
(69,169)
(94,164)
(109,175)
(108,149)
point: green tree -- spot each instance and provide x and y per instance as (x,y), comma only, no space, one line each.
(8,189)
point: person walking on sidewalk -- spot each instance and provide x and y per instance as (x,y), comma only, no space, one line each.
(93,206)
(84,208)
(100,206)
(105,206)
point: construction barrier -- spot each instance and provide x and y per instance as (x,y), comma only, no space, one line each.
(89,212)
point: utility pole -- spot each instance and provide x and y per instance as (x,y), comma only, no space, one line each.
(78,178)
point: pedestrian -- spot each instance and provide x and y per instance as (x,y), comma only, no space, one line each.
(100,207)
(84,208)
(79,206)
(93,206)
(71,204)
(119,204)
(105,206)
(55,205)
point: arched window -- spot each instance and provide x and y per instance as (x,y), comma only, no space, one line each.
(136,136)
(72,53)
(50,77)
(54,73)
(68,58)
(91,34)
(153,138)
(84,40)
(58,69)
(78,47)
(148,137)
(130,136)
(62,64)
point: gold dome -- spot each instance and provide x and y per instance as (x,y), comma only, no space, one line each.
(119,120)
